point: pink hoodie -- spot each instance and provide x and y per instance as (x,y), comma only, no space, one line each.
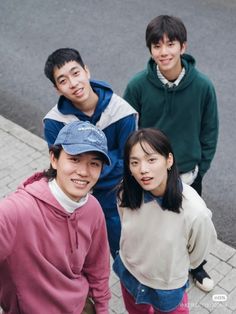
(50,259)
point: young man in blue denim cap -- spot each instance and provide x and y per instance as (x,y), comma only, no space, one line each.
(54,250)
(94,101)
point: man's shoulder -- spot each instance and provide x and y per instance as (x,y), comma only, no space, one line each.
(94,206)
(138,78)
(117,100)
(203,79)
(55,116)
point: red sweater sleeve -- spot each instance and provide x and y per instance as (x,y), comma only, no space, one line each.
(97,267)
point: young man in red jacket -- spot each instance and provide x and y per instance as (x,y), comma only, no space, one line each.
(54,251)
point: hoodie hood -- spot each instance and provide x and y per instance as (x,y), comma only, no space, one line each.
(104,92)
(37,187)
(188,63)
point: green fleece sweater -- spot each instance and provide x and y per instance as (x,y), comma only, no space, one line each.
(187,113)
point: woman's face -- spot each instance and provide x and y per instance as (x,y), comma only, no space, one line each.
(149,168)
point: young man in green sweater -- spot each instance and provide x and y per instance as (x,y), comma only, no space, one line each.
(173,96)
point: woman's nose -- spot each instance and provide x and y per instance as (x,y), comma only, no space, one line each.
(143,168)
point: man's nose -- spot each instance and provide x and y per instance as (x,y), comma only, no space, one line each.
(73,82)
(82,170)
(164,50)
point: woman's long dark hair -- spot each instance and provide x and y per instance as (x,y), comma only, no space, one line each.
(130,193)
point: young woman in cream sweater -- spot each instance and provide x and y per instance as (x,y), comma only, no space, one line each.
(166,228)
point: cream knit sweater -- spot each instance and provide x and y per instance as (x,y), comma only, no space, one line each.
(159,246)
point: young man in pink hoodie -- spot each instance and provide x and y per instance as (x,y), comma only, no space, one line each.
(54,250)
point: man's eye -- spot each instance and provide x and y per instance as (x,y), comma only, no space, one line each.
(73,159)
(96,164)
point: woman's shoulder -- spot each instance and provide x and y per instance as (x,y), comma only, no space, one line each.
(192,201)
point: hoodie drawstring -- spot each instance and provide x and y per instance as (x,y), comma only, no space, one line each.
(76,239)
(70,235)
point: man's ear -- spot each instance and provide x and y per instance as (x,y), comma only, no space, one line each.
(87,71)
(53,160)
(183,48)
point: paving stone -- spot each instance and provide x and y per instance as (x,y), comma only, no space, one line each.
(116,289)
(229,281)
(231,302)
(113,279)
(210,300)
(223,268)
(20,173)
(199,310)
(7,163)
(117,305)
(195,295)
(212,262)
(216,276)
(232,260)
(222,251)
(221,310)
(4,191)
(5,180)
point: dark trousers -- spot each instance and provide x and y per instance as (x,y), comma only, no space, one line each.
(197,185)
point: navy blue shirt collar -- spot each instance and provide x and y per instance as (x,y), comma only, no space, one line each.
(149,197)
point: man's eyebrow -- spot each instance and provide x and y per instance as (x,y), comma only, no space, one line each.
(63,75)
(74,68)
(97,158)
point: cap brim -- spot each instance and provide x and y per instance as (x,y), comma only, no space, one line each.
(74,149)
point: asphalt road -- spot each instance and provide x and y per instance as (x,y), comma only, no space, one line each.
(110,37)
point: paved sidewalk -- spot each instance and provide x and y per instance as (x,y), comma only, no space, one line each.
(23,153)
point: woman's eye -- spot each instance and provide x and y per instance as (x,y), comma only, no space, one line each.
(152,159)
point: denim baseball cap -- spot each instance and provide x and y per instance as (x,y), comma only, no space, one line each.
(80,137)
